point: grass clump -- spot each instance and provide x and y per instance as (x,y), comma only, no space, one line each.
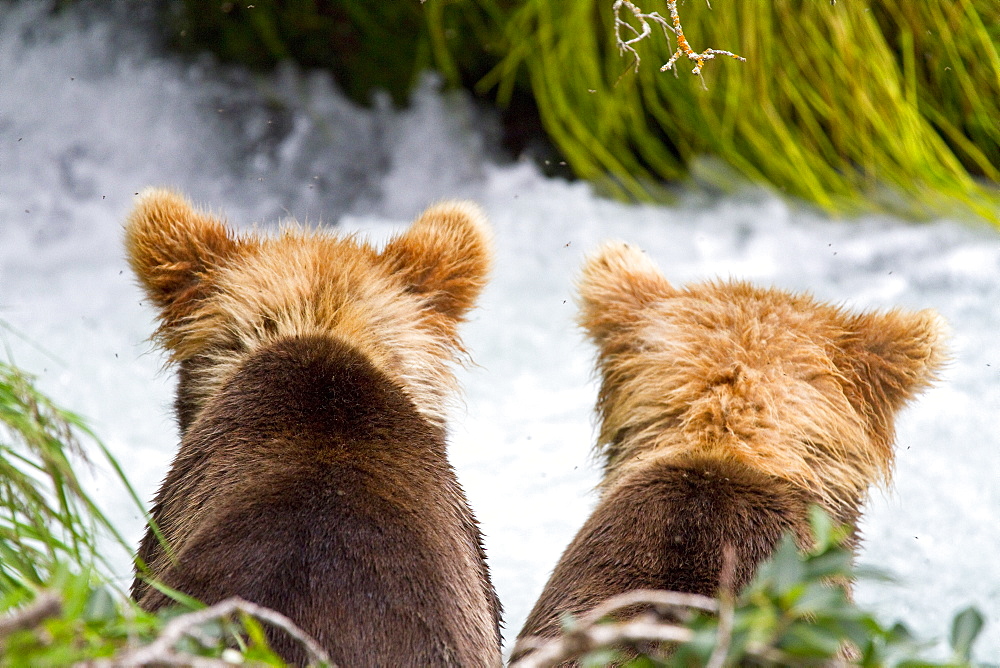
(887,104)
(890,103)
(47,519)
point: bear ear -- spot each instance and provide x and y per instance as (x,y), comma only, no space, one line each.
(894,355)
(617,282)
(174,250)
(445,256)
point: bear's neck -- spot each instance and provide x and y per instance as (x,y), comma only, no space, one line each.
(313,390)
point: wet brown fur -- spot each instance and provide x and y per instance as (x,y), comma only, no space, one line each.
(312,476)
(725,411)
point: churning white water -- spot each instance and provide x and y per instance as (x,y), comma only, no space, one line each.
(90,114)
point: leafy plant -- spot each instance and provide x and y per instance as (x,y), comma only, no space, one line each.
(796,612)
(75,620)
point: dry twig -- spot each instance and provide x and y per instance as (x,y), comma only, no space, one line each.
(660,600)
(683,50)
(589,633)
(727,608)
(643,19)
(161,651)
(580,641)
(46,604)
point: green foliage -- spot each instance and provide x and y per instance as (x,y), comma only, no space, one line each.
(894,101)
(964,630)
(795,613)
(82,622)
(47,519)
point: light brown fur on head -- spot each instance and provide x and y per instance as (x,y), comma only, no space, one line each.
(221,295)
(778,382)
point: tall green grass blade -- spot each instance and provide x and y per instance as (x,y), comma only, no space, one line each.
(46,516)
(891,104)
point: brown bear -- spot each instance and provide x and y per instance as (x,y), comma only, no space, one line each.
(312,475)
(725,411)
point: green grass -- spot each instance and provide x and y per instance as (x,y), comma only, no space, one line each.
(47,519)
(890,104)
(887,105)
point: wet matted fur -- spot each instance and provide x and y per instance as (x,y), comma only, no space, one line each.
(312,475)
(725,411)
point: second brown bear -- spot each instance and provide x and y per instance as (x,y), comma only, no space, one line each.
(725,411)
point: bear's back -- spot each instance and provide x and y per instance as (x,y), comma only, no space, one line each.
(312,486)
(667,526)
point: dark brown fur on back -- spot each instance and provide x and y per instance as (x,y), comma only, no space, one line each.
(331,500)
(666,527)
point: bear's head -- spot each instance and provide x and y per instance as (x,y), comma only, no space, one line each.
(780,382)
(222,295)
